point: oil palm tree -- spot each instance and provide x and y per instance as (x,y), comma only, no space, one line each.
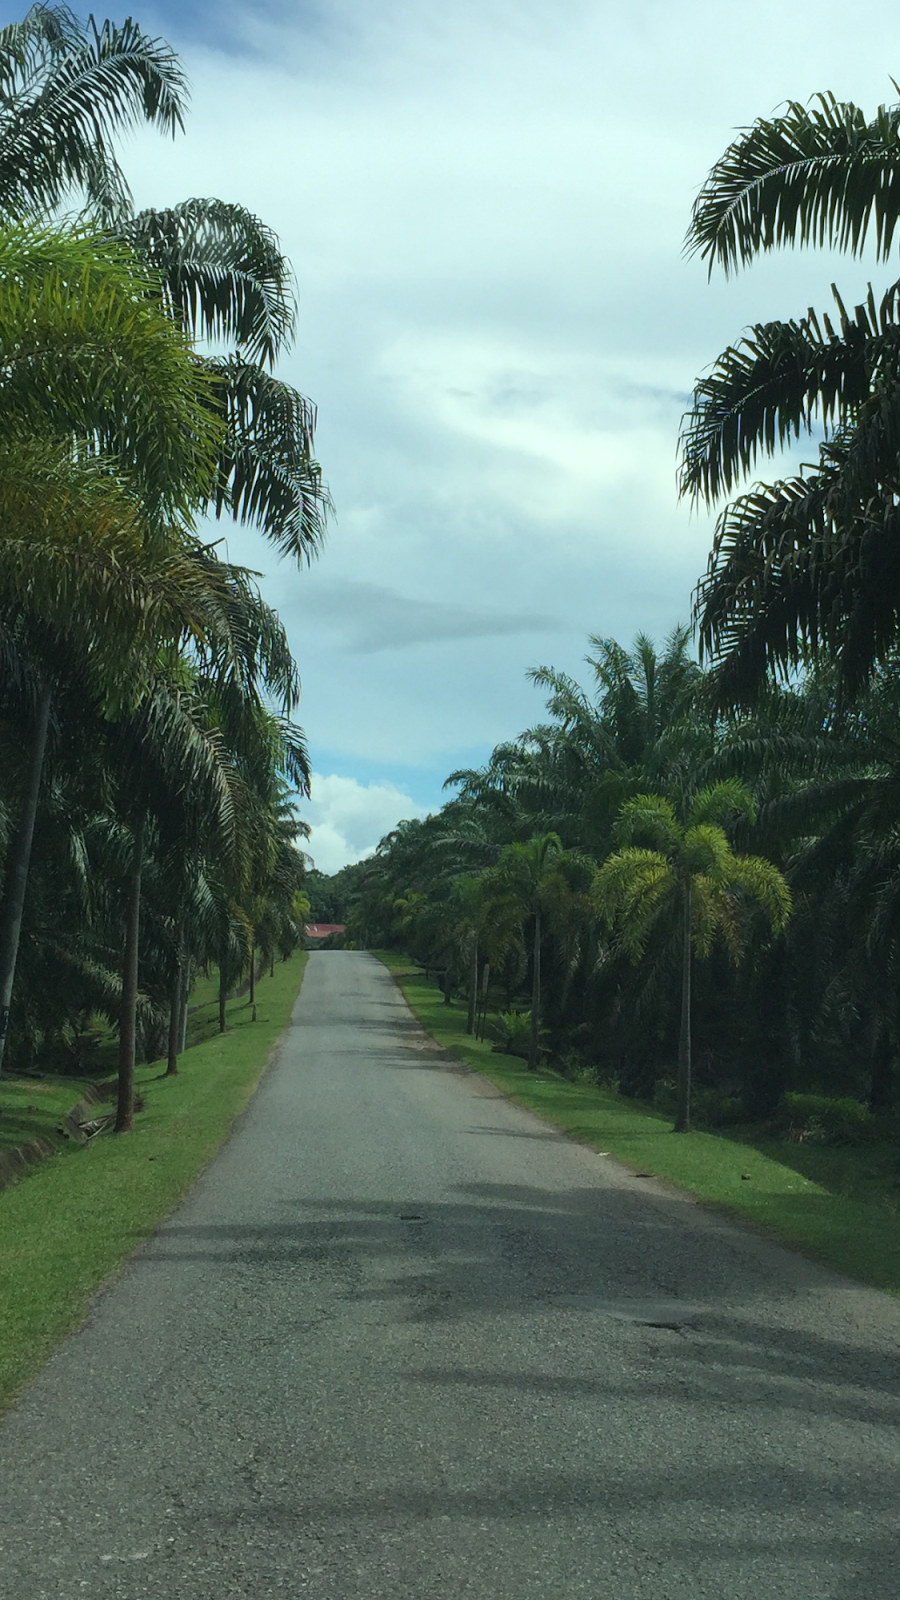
(224,277)
(686,873)
(806,563)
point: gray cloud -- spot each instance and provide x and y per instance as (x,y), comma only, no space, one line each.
(370,617)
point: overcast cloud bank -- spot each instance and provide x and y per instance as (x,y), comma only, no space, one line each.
(485,205)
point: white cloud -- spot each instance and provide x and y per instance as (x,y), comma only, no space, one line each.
(485,205)
(348,819)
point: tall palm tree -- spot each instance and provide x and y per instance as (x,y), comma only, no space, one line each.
(806,563)
(686,872)
(224,278)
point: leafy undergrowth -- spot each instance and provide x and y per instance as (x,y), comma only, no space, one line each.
(74,1219)
(839,1206)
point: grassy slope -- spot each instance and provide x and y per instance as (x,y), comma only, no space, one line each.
(31,1108)
(76,1217)
(791,1192)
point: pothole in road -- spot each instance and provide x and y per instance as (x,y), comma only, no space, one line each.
(412,1216)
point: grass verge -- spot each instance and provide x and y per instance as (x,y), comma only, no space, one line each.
(791,1193)
(76,1217)
(31,1108)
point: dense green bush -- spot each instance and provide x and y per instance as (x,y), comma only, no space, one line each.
(513,1030)
(819,1118)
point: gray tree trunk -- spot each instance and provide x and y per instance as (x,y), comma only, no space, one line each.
(535,996)
(174,1020)
(253,980)
(183,1002)
(683,1099)
(19,861)
(473,990)
(128,1020)
(485,986)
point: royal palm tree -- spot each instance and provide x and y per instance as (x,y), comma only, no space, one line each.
(687,873)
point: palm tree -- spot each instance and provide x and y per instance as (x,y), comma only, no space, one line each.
(805,564)
(640,724)
(66,91)
(686,873)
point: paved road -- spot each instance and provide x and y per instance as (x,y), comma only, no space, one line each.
(403,1341)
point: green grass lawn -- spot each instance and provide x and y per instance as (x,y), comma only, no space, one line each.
(838,1205)
(76,1217)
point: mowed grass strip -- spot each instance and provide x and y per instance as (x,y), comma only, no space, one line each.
(77,1216)
(768,1187)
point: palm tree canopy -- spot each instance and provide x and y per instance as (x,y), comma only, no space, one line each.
(88,355)
(638,884)
(66,88)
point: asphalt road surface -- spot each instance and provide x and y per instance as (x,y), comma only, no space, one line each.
(402,1340)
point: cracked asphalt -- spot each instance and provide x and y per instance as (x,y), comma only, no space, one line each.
(402,1340)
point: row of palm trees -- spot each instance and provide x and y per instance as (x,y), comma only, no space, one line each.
(147,691)
(659,883)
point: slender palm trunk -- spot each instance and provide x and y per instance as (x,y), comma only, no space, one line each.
(683,1101)
(253,979)
(223,992)
(19,860)
(473,989)
(535,996)
(485,986)
(183,1000)
(128,1020)
(174,1020)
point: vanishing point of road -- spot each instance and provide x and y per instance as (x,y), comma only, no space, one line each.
(403,1340)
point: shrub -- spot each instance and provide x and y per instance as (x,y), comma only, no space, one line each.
(820,1119)
(513,1029)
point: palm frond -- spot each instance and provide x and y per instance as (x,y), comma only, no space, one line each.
(781,381)
(820,174)
(267,473)
(222,271)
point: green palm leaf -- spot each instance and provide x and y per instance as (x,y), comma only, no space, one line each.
(223,273)
(820,174)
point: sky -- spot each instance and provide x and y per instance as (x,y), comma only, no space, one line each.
(485,205)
